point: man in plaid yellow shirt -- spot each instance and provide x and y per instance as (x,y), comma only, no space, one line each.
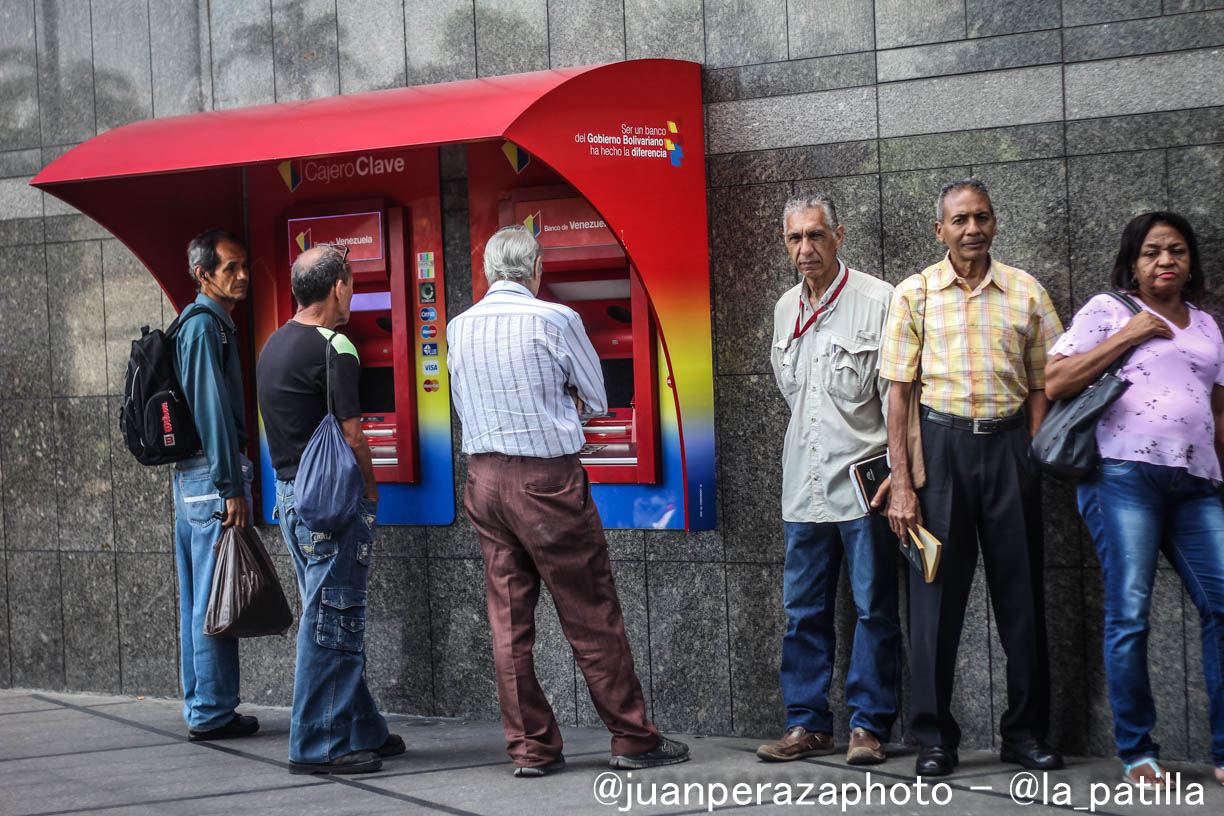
(972,334)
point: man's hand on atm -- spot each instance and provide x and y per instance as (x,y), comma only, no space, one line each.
(237,511)
(573,392)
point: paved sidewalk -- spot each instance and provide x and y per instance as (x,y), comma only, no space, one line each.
(74,753)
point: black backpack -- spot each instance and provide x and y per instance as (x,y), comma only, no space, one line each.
(155,419)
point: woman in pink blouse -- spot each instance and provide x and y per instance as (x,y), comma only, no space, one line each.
(1156,487)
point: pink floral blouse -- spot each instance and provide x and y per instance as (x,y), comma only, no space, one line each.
(1165,417)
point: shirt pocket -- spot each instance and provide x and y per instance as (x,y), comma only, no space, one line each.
(850,373)
(789,377)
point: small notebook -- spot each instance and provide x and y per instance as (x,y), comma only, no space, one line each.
(867,476)
(923,552)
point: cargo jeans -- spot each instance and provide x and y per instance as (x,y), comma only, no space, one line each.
(333,711)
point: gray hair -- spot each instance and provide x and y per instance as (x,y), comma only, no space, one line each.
(815,201)
(511,255)
(312,279)
(202,252)
(959,184)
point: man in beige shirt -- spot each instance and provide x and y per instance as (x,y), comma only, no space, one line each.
(826,342)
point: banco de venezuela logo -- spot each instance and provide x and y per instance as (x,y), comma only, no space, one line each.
(290,175)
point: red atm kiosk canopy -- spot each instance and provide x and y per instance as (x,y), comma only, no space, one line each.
(627,136)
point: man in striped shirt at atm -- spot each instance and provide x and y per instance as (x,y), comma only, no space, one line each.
(524,377)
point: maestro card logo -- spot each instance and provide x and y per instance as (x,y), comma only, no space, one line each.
(429,331)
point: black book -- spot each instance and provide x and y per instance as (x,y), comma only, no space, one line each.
(867,475)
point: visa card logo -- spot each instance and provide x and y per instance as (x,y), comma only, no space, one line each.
(431,367)
(290,175)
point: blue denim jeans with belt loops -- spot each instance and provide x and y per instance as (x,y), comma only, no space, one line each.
(333,711)
(809,588)
(1134,510)
(209,664)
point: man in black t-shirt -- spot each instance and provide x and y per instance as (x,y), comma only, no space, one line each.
(336,727)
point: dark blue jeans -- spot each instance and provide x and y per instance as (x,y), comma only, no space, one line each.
(209,664)
(333,711)
(1134,510)
(809,590)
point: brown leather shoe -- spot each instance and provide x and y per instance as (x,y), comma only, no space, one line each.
(865,748)
(797,743)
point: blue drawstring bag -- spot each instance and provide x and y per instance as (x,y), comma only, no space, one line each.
(329,484)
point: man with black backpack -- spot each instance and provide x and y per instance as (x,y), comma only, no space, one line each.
(306,371)
(212,489)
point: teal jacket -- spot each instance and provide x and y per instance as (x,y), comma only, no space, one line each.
(210,370)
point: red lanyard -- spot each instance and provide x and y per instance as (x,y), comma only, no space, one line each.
(799,331)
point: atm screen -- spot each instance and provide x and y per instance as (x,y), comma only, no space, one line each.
(377,390)
(618,381)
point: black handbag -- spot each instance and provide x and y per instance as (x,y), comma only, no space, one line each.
(1065,445)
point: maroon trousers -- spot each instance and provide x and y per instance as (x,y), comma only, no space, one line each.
(536,519)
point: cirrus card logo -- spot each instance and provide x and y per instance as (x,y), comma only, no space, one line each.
(429,313)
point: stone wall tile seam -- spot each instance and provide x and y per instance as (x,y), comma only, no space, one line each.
(982,72)
(972,41)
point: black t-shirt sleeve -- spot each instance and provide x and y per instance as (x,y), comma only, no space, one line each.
(346,396)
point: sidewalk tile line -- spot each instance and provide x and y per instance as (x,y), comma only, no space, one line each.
(88,751)
(29,711)
(168,800)
(403,797)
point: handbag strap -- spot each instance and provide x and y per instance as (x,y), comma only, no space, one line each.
(1135,309)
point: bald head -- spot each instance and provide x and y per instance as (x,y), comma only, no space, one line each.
(316,272)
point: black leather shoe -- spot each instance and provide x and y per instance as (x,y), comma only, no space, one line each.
(354,763)
(394,746)
(936,760)
(1032,754)
(242,725)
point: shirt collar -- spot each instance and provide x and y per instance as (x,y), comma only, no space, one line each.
(805,301)
(946,275)
(217,309)
(509,287)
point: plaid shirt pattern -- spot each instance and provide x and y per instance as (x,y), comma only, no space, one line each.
(981,351)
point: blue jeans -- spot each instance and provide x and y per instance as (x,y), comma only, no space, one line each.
(809,589)
(1134,510)
(333,711)
(209,664)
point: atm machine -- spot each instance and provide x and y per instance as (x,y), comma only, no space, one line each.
(586,269)
(380,324)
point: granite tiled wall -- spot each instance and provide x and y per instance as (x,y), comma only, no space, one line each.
(1077,113)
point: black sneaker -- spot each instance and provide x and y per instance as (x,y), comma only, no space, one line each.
(242,725)
(394,746)
(667,752)
(529,771)
(355,763)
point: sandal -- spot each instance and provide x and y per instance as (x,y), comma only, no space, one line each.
(1146,772)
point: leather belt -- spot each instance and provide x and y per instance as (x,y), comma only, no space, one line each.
(977,426)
